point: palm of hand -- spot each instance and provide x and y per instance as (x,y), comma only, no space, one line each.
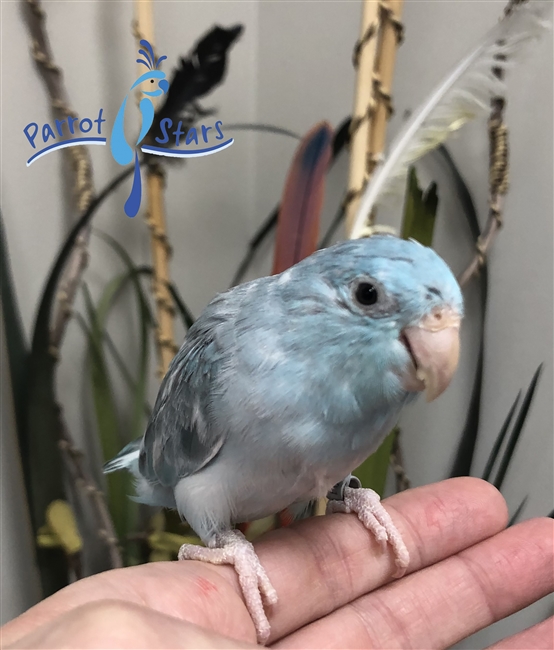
(334,585)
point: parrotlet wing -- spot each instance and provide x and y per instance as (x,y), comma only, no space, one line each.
(181,438)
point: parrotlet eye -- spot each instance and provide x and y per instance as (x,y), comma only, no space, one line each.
(366,294)
(151,81)
(370,296)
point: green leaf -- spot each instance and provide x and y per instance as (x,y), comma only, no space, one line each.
(124,510)
(107,419)
(123,369)
(37,420)
(184,311)
(146,321)
(16,344)
(420,211)
(468,438)
(373,471)
(500,439)
(518,428)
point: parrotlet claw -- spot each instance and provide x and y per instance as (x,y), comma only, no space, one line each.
(367,505)
(233,548)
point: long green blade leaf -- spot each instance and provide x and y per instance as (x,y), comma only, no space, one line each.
(514,518)
(516,431)
(107,419)
(468,438)
(500,439)
(16,343)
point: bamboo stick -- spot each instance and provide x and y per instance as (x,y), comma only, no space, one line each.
(389,39)
(161,251)
(391,33)
(364,61)
(144,22)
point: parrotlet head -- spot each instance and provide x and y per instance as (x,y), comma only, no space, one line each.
(395,301)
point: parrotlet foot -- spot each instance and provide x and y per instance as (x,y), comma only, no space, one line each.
(231,547)
(367,505)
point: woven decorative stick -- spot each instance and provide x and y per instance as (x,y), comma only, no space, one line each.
(498,172)
(364,61)
(161,251)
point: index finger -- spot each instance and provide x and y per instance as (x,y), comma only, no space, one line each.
(321,564)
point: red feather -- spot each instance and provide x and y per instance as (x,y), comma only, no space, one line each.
(298,223)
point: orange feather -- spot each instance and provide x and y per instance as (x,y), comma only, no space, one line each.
(302,201)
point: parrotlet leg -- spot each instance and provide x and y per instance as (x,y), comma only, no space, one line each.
(231,547)
(367,505)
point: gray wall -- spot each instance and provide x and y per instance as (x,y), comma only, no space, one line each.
(292,68)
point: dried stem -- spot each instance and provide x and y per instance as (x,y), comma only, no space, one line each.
(161,251)
(80,163)
(83,481)
(364,61)
(498,171)
(498,183)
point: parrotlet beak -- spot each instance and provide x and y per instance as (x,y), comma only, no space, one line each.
(434,346)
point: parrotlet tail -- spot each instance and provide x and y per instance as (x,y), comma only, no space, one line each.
(127,458)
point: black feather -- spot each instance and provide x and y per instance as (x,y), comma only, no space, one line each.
(197,75)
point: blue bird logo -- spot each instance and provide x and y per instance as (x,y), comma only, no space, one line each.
(122,151)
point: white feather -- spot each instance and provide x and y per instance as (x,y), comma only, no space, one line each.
(125,461)
(464,93)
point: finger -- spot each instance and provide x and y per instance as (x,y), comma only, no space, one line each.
(324,563)
(444,603)
(538,637)
(116,624)
(315,566)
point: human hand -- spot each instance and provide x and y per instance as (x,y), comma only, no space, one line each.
(334,585)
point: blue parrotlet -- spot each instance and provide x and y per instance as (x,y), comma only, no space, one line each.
(285,384)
